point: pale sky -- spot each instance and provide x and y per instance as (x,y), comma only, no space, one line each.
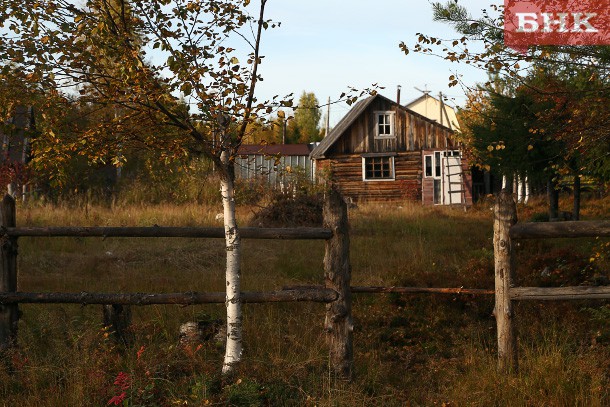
(324,46)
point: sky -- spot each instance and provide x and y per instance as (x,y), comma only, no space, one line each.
(325,46)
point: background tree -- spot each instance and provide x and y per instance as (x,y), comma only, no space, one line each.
(307,117)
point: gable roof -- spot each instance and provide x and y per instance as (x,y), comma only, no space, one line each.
(343,124)
(351,116)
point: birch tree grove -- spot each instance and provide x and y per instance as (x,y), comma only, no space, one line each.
(144,56)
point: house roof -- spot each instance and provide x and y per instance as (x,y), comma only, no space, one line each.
(273,149)
(343,124)
(350,117)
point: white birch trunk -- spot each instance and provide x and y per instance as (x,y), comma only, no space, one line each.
(233,273)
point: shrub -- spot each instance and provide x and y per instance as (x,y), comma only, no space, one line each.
(291,211)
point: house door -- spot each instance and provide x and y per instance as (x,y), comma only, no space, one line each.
(433,171)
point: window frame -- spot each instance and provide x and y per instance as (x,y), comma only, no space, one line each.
(366,159)
(436,168)
(431,159)
(392,124)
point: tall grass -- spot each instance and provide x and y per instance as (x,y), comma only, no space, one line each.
(409,350)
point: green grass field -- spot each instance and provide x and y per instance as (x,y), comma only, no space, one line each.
(419,350)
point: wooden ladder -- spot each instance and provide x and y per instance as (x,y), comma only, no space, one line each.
(451,177)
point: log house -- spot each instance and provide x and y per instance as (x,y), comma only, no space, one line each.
(382,151)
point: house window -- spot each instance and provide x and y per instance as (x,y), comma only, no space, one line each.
(384,124)
(432,165)
(428,159)
(378,168)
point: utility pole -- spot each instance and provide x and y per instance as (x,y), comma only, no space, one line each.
(327,117)
(440,97)
(442,113)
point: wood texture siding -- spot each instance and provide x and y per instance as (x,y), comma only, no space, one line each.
(412,132)
(346,173)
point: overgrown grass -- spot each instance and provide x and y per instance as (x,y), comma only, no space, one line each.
(409,350)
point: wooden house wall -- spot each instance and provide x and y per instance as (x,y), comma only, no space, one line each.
(412,133)
(346,173)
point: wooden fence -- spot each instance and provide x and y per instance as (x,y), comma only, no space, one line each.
(506,232)
(336,292)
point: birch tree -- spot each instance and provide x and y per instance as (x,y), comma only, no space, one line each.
(142,56)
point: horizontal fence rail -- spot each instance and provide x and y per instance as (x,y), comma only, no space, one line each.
(422,290)
(321,294)
(559,293)
(402,290)
(572,229)
(164,231)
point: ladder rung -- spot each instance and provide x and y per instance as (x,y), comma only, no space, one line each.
(457,190)
(455,183)
(453,165)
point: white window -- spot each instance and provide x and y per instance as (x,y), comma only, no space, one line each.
(432,165)
(437,164)
(378,168)
(384,124)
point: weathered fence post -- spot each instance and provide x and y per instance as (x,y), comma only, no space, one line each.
(117,319)
(9,313)
(337,276)
(505,216)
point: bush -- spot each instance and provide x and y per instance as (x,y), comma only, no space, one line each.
(291,211)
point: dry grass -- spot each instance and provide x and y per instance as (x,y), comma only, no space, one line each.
(409,350)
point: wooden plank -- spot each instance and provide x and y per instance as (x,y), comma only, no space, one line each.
(505,215)
(571,229)
(559,293)
(191,298)
(159,231)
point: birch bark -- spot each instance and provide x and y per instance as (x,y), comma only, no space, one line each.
(233,349)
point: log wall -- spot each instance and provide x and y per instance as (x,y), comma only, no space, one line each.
(347,176)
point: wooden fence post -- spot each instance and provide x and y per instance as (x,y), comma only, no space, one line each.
(117,319)
(505,216)
(9,313)
(337,276)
